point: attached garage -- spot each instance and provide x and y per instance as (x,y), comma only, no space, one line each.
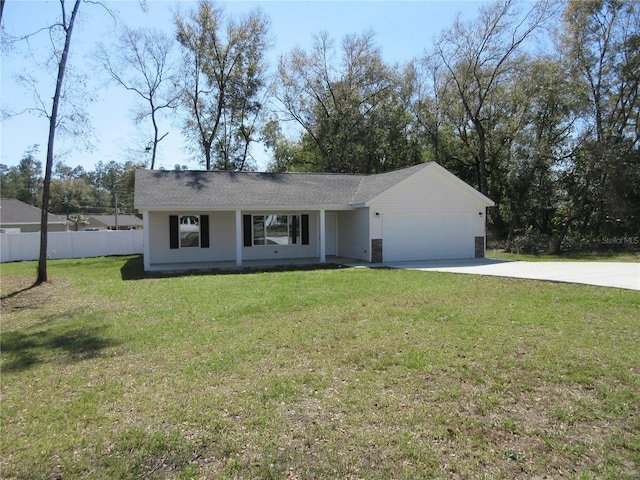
(427,237)
(422,212)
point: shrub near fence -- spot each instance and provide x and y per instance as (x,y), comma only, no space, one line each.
(26,246)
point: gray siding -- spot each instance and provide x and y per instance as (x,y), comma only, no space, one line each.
(221,238)
(353,234)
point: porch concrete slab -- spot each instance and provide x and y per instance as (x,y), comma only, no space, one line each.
(605,274)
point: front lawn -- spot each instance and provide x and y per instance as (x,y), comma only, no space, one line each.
(337,373)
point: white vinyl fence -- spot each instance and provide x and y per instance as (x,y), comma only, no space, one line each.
(101,243)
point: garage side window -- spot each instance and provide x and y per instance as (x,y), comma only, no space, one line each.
(187,231)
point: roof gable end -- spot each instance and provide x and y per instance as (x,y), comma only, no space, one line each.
(426,169)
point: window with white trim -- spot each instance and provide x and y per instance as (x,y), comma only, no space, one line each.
(276,229)
(189,231)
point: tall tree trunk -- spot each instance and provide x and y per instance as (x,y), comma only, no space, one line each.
(155,135)
(557,247)
(482,159)
(42,262)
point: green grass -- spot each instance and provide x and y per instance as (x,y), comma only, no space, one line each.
(339,373)
(629,256)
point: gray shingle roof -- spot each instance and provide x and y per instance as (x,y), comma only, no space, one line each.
(14,211)
(170,189)
(110,220)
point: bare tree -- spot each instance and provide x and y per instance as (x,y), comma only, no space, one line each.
(480,56)
(64,111)
(345,99)
(66,24)
(142,62)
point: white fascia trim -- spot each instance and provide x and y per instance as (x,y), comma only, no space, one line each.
(29,224)
(253,208)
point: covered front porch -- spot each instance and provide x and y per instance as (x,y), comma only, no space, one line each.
(254,238)
(284,236)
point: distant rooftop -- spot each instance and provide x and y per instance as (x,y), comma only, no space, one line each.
(15,212)
(110,220)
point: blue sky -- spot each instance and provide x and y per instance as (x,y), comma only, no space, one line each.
(404,29)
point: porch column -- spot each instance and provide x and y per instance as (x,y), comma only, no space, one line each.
(145,241)
(238,238)
(323,225)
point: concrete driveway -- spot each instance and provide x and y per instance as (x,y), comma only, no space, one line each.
(604,274)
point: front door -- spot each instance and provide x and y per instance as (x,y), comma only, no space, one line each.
(331,233)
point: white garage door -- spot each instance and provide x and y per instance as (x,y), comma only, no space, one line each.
(427,237)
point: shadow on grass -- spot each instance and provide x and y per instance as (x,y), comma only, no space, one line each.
(52,340)
(133,269)
(17,292)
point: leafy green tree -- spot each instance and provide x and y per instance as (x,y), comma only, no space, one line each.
(540,146)
(223,82)
(601,43)
(117,181)
(126,185)
(23,181)
(62,171)
(74,195)
(286,154)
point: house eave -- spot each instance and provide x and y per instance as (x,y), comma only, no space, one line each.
(57,222)
(227,208)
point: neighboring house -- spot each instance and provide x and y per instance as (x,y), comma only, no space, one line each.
(108,222)
(200,219)
(20,217)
